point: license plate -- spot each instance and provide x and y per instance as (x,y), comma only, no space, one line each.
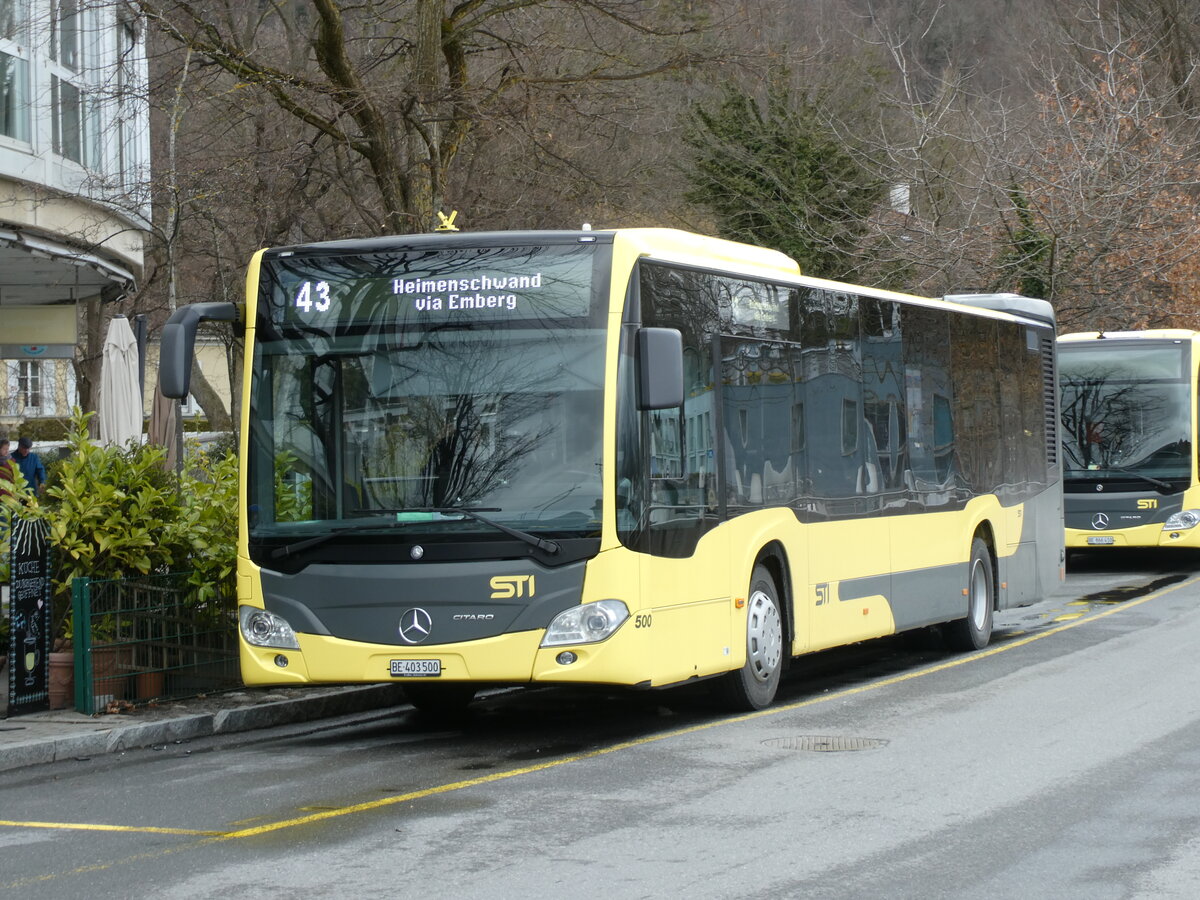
(416,668)
(1101,539)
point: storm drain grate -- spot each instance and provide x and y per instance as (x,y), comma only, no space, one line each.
(825,743)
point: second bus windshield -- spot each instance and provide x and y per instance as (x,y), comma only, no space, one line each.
(1126,410)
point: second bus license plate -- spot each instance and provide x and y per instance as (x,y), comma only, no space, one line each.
(416,668)
(1100,539)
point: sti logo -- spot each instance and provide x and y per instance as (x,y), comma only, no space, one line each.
(505,587)
(1148,504)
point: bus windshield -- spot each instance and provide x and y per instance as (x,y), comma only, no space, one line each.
(1126,412)
(424,391)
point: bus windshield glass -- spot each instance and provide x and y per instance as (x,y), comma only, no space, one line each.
(1126,411)
(391,389)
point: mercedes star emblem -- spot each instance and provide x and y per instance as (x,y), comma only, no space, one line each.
(415,625)
(1099,522)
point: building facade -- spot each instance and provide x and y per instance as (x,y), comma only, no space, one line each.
(74,186)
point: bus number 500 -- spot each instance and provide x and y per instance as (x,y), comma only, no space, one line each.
(642,620)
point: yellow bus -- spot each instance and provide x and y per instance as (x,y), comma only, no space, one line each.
(1128,429)
(634,457)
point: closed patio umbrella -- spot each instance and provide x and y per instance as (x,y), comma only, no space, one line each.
(164,413)
(120,409)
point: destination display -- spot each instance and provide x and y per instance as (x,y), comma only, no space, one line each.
(459,285)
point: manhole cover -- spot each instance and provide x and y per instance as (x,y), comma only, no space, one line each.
(824,743)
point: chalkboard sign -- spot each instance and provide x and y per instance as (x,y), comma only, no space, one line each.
(29,609)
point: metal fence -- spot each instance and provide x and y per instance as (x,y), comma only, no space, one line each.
(143,639)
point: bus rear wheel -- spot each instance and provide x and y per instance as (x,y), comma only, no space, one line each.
(444,698)
(753,686)
(975,631)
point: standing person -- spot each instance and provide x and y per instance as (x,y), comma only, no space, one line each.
(30,464)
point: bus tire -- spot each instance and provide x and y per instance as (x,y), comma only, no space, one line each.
(975,630)
(440,698)
(753,686)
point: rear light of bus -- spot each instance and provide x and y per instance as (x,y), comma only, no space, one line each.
(586,623)
(1183,520)
(263,629)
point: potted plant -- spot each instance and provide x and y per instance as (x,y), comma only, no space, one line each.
(113,513)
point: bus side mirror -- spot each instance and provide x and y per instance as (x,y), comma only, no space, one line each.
(659,368)
(178,344)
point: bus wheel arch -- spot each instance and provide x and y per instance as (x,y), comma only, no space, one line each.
(754,684)
(974,630)
(774,558)
(987,534)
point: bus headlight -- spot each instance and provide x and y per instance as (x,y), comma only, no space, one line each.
(586,623)
(264,629)
(1183,520)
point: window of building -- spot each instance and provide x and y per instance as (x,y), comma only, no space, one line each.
(129,90)
(12,19)
(14,97)
(67,122)
(73,125)
(66,35)
(14,70)
(24,387)
(75,132)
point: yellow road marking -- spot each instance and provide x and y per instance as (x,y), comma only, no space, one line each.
(211,836)
(88,826)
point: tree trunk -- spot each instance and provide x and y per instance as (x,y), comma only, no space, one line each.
(209,400)
(89,359)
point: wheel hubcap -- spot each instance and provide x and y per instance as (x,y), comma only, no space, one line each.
(979,595)
(764,636)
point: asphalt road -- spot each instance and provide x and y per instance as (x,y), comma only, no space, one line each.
(1062,761)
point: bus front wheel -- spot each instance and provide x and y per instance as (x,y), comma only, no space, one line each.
(753,686)
(975,631)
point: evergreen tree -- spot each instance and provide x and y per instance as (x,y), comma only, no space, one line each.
(1027,263)
(780,178)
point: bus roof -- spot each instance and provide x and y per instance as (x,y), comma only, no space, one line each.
(669,245)
(663,243)
(675,245)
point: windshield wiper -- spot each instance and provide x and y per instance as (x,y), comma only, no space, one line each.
(533,540)
(317,540)
(1082,474)
(1162,485)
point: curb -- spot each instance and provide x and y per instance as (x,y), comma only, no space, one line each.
(101,738)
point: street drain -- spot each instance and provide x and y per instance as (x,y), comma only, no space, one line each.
(825,744)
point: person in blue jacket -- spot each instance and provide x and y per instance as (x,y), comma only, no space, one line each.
(30,464)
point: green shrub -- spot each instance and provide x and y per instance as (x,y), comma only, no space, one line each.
(115,512)
(48,429)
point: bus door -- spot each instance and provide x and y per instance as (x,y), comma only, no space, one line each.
(684,566)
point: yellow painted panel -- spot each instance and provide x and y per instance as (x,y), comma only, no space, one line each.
(939,539)
(39,324)
(505,658)
(844,551)
(836,621)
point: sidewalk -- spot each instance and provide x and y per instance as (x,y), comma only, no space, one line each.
(65,734)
